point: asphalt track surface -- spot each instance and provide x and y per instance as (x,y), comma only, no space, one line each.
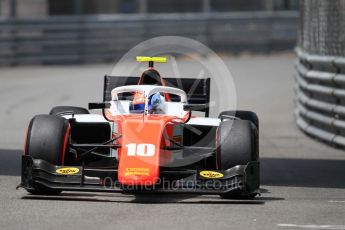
(303,181)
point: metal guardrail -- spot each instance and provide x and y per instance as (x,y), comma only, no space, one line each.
(320,102)
(83,39)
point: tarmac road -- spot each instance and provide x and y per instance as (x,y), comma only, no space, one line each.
(303,181)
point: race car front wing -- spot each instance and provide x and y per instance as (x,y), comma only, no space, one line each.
(243,178)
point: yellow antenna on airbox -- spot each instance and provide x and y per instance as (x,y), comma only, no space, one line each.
(151,60)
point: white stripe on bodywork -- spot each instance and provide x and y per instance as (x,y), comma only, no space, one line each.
(99,118)
(87,118)
(204,121)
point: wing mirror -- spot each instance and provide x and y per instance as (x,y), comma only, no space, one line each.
(99,105)
(194,107)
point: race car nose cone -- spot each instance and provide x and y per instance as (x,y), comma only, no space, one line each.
(139,157)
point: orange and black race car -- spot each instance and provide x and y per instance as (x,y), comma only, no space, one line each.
(145,141)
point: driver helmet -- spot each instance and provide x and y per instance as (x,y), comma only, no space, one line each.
(154,104)
(138,103)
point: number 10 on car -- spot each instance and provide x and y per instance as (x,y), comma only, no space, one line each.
(143,150)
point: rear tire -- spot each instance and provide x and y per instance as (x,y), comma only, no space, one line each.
(76,110)
(47,140)
(237,145)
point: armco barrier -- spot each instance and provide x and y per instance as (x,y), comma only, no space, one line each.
(320,96)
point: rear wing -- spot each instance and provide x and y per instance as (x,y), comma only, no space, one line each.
(198,90)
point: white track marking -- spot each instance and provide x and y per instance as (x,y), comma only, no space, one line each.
(336,201)
(312,226)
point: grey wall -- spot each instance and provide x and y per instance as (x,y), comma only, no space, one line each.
(60,40)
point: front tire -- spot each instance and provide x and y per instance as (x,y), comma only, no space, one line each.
(237,145)
(73,109)
(47,139)
(241,114)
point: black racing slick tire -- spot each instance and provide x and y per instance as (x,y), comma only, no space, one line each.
(75,110)
(241,114)
(237,145)
(47,139)
(236,140)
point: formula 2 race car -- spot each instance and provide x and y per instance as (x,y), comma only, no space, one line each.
(145,141)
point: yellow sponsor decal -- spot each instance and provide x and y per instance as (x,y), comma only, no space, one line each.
(67,171)
(137,171)
(211,174)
